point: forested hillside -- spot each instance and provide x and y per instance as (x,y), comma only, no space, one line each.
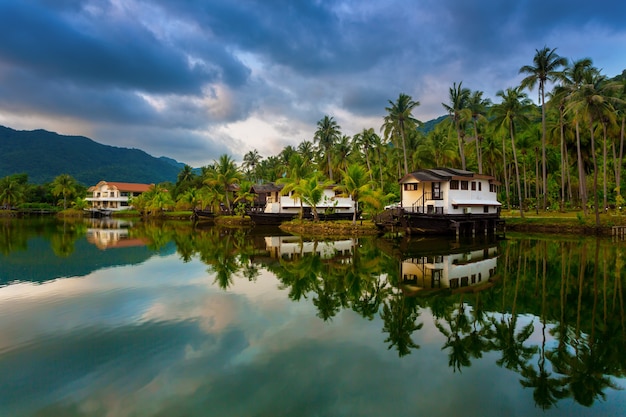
(43,155)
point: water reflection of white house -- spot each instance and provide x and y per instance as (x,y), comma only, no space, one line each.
(111,233)
(453,271)
(294,247)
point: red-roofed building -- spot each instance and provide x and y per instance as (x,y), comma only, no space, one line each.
(114,196)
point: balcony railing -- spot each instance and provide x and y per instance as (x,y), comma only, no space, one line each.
(420,206)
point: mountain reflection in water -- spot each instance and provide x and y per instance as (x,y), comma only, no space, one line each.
(135,318)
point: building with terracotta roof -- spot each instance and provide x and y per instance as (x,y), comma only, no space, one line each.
(114,196)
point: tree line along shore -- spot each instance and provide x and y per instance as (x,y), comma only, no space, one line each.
(562,155)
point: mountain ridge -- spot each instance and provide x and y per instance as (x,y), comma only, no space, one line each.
(43,155)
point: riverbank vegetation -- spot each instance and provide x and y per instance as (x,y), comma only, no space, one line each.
(563,155)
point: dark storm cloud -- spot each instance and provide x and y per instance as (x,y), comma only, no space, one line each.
(25,92)
(308,36)
(198,65)
(118,54)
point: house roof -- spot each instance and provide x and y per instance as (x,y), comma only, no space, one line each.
(123,186)
(441,174)
(267,187)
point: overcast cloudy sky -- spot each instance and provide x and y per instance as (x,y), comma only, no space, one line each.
(193,79)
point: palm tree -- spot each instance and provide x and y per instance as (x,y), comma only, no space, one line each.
(251,161)
(621,111)
(593,99)
(342,152)
(11,191)
(437,149)
(574,78)
(306,150)
(507,114)
(297,172)
(398,120)
(185,175)
(160,200)
(546,68)
(327,133)
(64,185)
(559,97)
(311,191)
(365,141)
(458,113)
(477,105)
(224,176)
(355,184)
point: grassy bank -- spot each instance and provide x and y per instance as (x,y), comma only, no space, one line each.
(337,228)
(563,222)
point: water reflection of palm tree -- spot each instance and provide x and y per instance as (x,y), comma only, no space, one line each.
(503,333)
(547,391)
(400,314)
(299,275)
(466,335)
(63,241)
(458,324)
(328,298)
(364,285)
(185,245)
(12,236)
(220,253)
(587,371)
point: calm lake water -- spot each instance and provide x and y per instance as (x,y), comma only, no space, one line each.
(125,318)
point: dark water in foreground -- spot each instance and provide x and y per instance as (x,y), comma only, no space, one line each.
(122,319)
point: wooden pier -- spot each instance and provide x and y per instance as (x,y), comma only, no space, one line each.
(618,232)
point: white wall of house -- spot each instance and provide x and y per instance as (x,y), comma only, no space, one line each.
(277,203)
(107,197)
(450,201)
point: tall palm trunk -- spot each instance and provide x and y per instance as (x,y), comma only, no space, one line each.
(367,161)
(595,172)
(517,176)
(380,168)
(604,185)
(330,166)
(563,155)
(479,156)
(581,173)
(406,164)
(460,140)
(543,146)
(506,177)
(536,180)
(618,161)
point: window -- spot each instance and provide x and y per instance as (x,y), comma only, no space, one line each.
(436,188)
(464,185)
(486,209)
(480,186)
(473,185)
(492,188)
(410,187)
(454,184)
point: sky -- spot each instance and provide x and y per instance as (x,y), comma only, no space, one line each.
(195,79)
